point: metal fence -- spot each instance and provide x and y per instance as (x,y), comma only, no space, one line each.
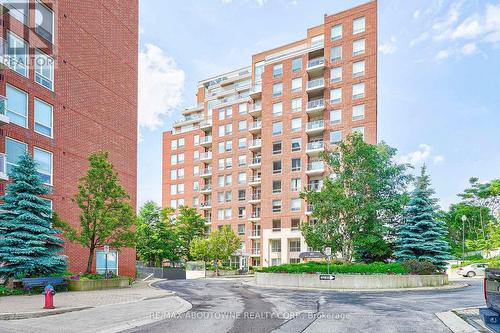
(169,273)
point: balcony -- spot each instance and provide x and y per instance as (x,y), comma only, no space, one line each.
(254,180)
(255,163)
(188,120)
(206,189)
(255,198)
(255,127)
(206,125)
(315,127)
(206,156)
(191,109)
(206,141)
(315,168)
(255,144)
(3,167)
(316,65)
(255,216)
(255,110)
(315,106)
(206,205)
(206,173)
(208,221)
(309,210)
(315,85)
(256,91)
(255,252)
(315,147)
(3,110)
(315,186)
(255,233)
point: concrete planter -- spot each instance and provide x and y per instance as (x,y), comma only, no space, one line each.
(86,285)
(221,273)
(350,281)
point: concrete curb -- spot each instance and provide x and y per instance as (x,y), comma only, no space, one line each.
(455,323)
(450,286)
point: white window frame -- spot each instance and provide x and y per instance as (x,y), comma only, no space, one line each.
(51,118)
(27,106)
(9,59)
(39,70)
(51,164)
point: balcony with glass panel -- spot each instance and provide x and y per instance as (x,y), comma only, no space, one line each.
(3,167)
(206,189)
(206,125)
(255,127)
(315,147)
(315,168)
(255,216)
(316,65)
(256,91)
(255,197)
(316,85)
(256,162)
(206,205)
(206,141)
(206,156)
(205,173)
(255,232)
(255,180)
(256,109)
(255,144)
(315,106)
(315,127)
(4,119)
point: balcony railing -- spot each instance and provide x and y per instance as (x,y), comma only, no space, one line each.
(316,62)
(3,163)
(318,165)
(206,155)
(256,143)
(188,118)
(255,179)
(256,88)
(255,233)
(315,186)
(257,160)
(256,195)
(3,104)
(315,145)
(206,123)
(206,139)
(316,124)
(255,215)
(315,103)
(256,125)
(207,187)
(316,83)
(206,171)
(206,204)
(255,251)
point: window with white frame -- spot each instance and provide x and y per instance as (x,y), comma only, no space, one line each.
(277,70)
(358,47)
(336,74)
(242,143)
(336,53)
(14,150)
(222,114)
(17,106)
(360,130)
(276,206)
(242,178)
(229,145)
(295,205)
(180,173)
(277,128)
(173,189)
(358,112)
(297,84)
(296,144)
(17,54)
(220,214)
(196,155)
(180,202)
(335,116)
(180,188)
(44,70)
(196,139)
(277,109)
(296,64)
(221,147)
(18,9)
(277,89)
(196,186)
(296,125)
(335,136)
(227,213)
(297,104)
(242,125)
(358,68)
(336,32)
(358,90)
(173,144)
(173,159)
(229,112)
(173,203)
(173,174)
(220,180)
(242,160)
(44,21)
(181,142)
(180,158)
(336,95)
(242,108)
(196,170)
(358,25)
(107,262)
(296,184)
(43,159)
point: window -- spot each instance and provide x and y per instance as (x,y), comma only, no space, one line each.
(297,84)
(335,136)
(196,186)
(43,118)
(276,167)
(296,184)
(336,53)
(229,180)
(336,74)
(296,64)
(294,245)
(358,90)
(358,68)
(18,9)
(17,54)
(229,129)
(360,130)
(242,143)
(220,163)
(358,47)
(227,213)
(336,95)
(196,139)
(296,124)
(276,147)
(221,147)
(180,188)
(277,70)
(44,160)
(295,224)
(17,106)
(276,186)
(228,196)
(196,170)
(196,155)
(181,142)
(242,178)
(335,116)
(336,32)
(173,204)
(242,125)
(220,180)
(180,173)
(14,150)
(229,145)
(297,104)
(196,201)
(173,159)
(221,130)
(296,144)
(276,261)
(277,89)
(295,205)
(44,70)
(241,229)
(221,197)
(229,112)
(296,162)
(241,212)
(276,225)
(173,174)
(222,114)
(276,248)
(44,21)
(242,160)
(105,262)
(241,195)
(277,109)
(220,214)
(317,40)
(358,112)
(277,128)
(358,25)
(180,158)
(173,189)
(242,108)
(173,144)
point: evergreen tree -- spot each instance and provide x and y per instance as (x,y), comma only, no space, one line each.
(422,236)
(29,245)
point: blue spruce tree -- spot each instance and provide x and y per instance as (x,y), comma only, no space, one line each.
(29,246)
(422,236)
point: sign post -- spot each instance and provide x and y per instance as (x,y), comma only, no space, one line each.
(106,251)
(328,253)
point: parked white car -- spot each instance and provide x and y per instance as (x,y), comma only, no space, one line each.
(472,270)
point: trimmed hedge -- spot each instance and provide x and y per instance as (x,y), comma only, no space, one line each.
(336,267)
(492,262)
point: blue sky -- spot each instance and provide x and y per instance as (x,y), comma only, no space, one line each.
(438,75)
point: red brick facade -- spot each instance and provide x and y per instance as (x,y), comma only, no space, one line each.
(282,242)
(94,100)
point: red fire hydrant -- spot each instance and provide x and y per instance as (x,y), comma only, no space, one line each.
(49,297)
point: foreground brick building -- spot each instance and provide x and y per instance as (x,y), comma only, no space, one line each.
(69,88)
(252,143)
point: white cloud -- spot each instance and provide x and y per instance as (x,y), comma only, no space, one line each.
(389,47)
(465,50)
(161,84)
(469,48)
(416,14)
(421,38)
(443,54)
(420,156)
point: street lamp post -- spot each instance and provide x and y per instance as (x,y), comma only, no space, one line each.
(464,218)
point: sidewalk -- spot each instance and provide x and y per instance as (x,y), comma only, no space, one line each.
(111,310)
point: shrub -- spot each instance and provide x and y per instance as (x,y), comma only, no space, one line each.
(492,262)
(339,267)
(424,267)
(4,291)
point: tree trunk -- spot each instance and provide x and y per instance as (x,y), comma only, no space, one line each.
(91,259)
